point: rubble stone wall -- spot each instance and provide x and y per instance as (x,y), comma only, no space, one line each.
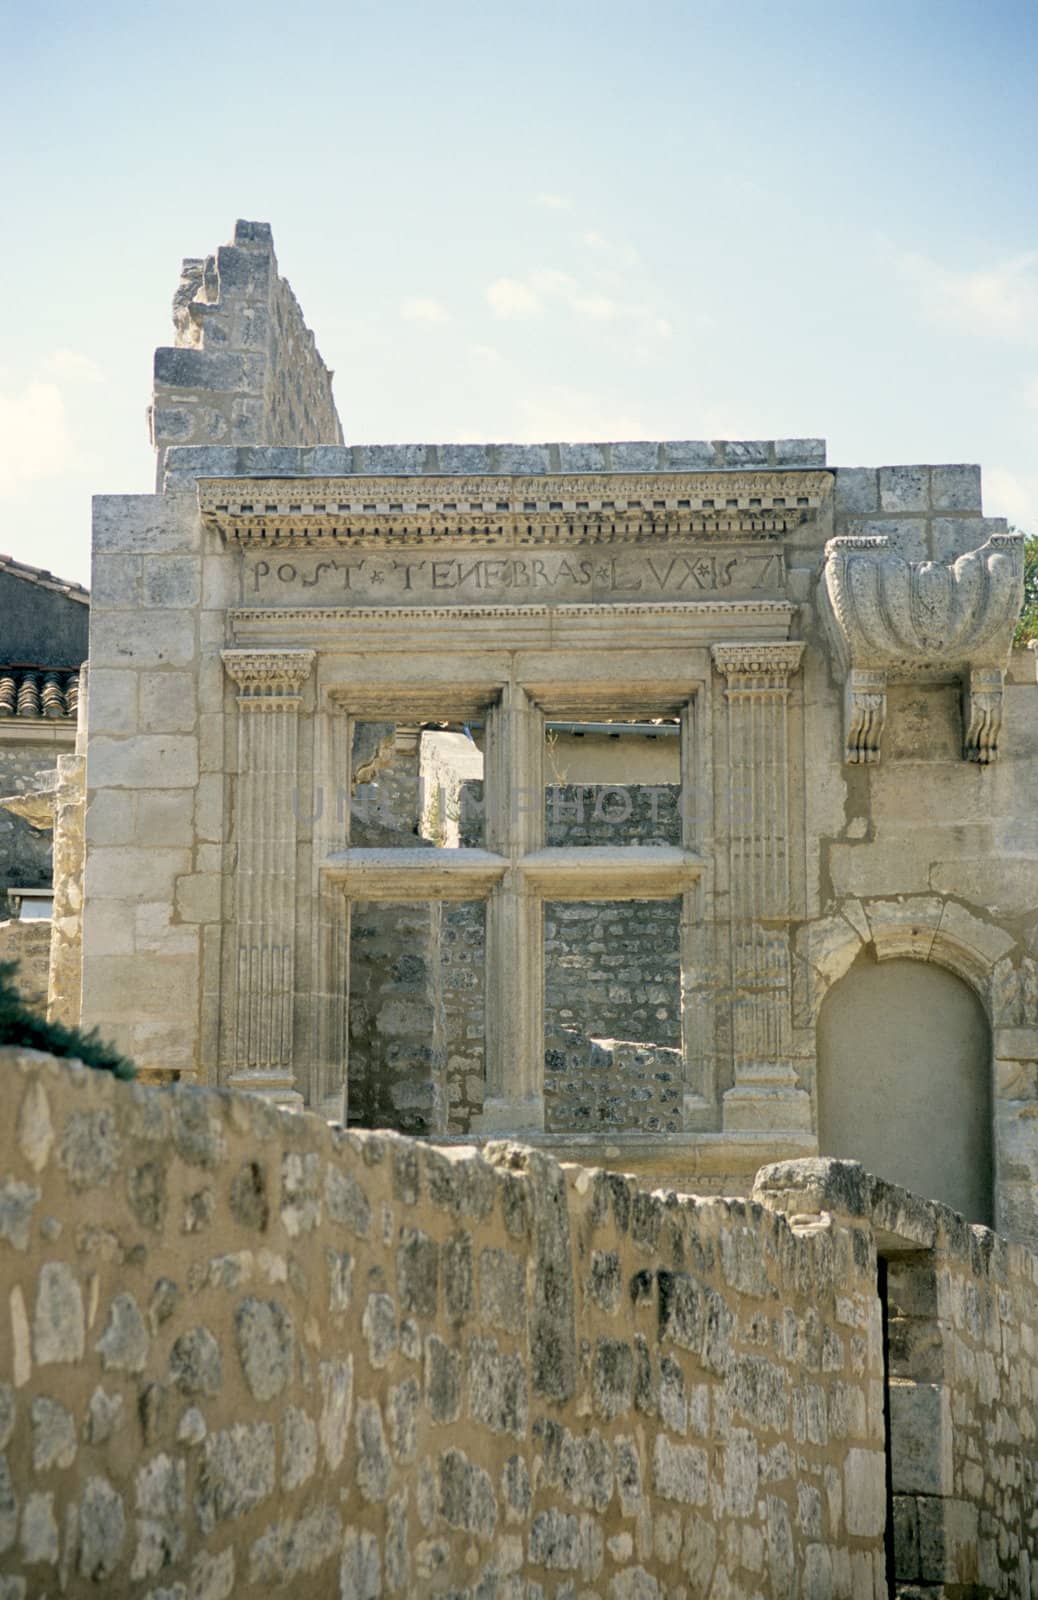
(245,1350)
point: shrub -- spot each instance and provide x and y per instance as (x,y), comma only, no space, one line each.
(20,1026)
(1027,627)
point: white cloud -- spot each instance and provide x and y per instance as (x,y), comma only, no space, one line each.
(34,435)
(513,300)
(72,366)
(484,352)
(1013,495)
(553,202)
(593,240)
(559,412)
(1000,301)
(37,438)
(419,309)
(1030,395)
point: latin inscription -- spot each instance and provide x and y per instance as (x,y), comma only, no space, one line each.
(296,576)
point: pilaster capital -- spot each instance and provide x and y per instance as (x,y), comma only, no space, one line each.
(269,678)
(758,666)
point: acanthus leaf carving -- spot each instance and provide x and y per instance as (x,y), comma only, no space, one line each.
(893,619)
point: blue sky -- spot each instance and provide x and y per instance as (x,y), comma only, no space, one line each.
(530,222)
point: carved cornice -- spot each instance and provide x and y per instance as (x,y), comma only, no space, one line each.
(757,666)
(898,620)
(269,679)
(567,509)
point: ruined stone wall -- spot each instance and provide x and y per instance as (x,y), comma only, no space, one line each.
(397,1043)
(28,943)
(25,852)
(244,1350)
(244,368)
(65,976)
(962,1333)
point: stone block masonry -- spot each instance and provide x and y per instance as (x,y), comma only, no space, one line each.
(245,369)
(351,1365)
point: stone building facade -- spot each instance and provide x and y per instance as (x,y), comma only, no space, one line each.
(44,624)
(856,752)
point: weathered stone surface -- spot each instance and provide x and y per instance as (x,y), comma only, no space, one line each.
(58,1324)
(196,1363)
(373,1461)
(502,1290)
(380,1328)
(237,1472)
(360,1567)
(124,1345)
(467,1498)
(417,1271)
(104,1415)
(346,1202)
(289,1550)
(265,1340)
(8,1506)
(89,1148)
(102,1529)
(336,1385)
(680,1471)
(53,1434)
(497,1388)
(39,1541)
(16,1207)
(298,1448)
(161,1502)
(248,1197)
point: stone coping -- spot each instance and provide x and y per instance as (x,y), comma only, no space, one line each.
(188,462)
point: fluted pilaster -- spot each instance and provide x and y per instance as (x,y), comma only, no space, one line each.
(764,1094)
(270,685)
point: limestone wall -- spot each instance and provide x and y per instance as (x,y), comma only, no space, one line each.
(244,368)
(244,1350)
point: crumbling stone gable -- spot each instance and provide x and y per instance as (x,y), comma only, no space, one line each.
(244,368)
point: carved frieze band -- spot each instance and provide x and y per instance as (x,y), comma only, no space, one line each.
(566,509)
(897,620)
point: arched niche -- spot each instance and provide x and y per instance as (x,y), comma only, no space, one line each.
(904,1080)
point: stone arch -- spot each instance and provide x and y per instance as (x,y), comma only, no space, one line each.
(922,927)
(904,1079)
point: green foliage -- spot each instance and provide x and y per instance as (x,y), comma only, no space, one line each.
(20,1026)
(1027,627)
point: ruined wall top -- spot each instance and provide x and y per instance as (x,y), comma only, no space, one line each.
(244,369)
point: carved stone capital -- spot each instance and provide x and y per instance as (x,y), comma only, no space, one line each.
(758,666)
(269,679)
(913,621)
